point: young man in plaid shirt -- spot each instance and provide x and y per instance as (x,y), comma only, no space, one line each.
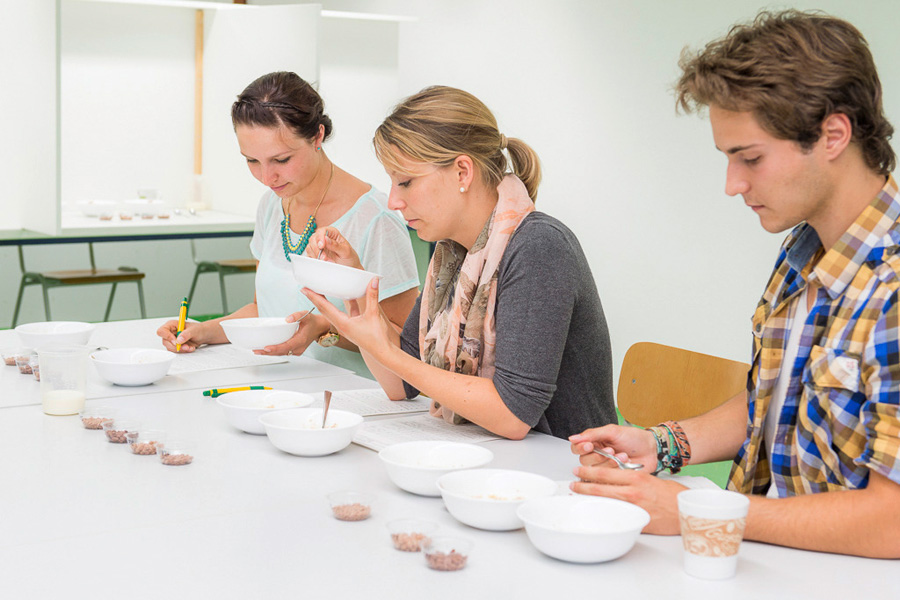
(794,102)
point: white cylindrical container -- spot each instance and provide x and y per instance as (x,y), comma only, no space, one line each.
(63,379)
(712,527)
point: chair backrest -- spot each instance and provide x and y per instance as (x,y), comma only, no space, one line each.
(90,256)
(659,383)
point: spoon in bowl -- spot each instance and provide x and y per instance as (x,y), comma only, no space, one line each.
(327,404)
(628,466)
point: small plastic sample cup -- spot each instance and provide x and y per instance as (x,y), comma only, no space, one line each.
(9,356)
(350,506)
(24,361)
(411,535)
(117,429)
(93,417)
(175,453)
(145,442)
(447,553)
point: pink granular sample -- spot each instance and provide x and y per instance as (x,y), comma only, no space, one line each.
(352,512)
(409,542)
(176,459)
(94,422)
(450,561)
(116,436)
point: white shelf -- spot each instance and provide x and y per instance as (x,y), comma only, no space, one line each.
(194,4)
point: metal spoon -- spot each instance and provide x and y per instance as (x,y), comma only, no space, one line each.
(629,466)
(327,404)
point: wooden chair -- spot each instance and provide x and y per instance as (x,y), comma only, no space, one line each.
(223,268)
(92,276)
(659,383)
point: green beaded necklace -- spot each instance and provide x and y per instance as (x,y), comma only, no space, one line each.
(310,228)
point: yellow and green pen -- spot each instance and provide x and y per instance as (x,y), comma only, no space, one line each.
(219,391)
(182,316)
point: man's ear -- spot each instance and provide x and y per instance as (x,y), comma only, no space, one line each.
(837,133)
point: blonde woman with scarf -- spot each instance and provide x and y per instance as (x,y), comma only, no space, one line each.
(509,332)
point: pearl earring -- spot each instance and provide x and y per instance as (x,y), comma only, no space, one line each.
(462,190)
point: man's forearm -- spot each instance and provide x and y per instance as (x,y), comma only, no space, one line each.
(718,434)
(862,522)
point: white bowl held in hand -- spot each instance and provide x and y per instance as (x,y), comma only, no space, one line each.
(330,279)
(416,466)
(55,333)
(243,408)
(256,333)
(132,366)
(488,498)
(299,430)
(582,529)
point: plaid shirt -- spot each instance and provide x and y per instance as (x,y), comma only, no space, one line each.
(841,415)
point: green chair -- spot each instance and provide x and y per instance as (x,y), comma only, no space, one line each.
(223,268)
(92,276)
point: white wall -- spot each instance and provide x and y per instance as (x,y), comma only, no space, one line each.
(28,116)
(587,83)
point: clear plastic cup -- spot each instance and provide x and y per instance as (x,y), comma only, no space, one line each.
(175,453)
(411,535)
(63,371)
(447,553)
(146,441)
(116,430)
(350,506)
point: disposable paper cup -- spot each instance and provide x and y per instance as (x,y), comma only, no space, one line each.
(63,379)
(712,526)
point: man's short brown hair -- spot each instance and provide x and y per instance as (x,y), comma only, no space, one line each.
(793,69)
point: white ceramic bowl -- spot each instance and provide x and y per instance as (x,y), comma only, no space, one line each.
(298,430)
(416,466)
(132,366)
(242,409)
(55,333)
(582,529)
(330,279)
(488,498)
(255,333)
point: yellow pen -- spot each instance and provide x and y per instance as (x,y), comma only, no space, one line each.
(219,391)
(182,316)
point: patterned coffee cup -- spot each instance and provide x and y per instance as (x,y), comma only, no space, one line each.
(712,527)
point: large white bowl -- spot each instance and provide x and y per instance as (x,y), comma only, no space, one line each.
(242,409)
(132,366)
(416,466)
(330,279)
(55,333)
(298,430)
(256,333)
(582,529)
(488,498)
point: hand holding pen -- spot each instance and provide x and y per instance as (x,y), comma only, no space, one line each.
(182,316)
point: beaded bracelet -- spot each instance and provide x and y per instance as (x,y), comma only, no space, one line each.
(684,446)
(673,451)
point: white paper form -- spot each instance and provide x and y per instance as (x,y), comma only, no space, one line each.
(372,402)
(219,356)
(377,435)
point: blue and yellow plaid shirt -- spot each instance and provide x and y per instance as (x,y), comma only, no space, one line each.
(841,416)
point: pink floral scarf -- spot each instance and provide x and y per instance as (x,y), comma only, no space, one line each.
(456,318)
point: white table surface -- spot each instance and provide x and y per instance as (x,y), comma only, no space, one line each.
(83,518)
(17,389)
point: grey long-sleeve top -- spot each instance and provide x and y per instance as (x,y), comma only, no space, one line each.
(553,357)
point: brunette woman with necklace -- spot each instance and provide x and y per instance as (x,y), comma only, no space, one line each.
(280,123)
